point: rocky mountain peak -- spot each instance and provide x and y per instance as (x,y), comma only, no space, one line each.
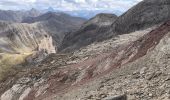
(91,31)
(33,10)
(102,19)
(33,13)
(51,9)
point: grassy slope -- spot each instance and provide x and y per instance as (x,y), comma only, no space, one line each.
(7,61)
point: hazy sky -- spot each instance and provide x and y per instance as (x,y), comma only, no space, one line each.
(68,4)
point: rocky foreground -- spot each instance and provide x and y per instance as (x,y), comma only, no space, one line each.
(137,69)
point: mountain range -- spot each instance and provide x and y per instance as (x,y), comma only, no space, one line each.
(17,16)
(87,14)
(55,56)
(43,33)
(91,13)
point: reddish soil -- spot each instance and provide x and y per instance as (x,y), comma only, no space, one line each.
(83,72)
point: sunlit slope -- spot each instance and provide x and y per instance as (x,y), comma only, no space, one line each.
(22,38)
(8,61)
(18,41)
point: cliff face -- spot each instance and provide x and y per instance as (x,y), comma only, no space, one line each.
(47,45)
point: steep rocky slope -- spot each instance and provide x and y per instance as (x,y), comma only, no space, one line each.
(17,16)
(145,14)
(146,78)
(91,31)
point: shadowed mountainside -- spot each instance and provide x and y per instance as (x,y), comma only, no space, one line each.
(145,14)
(91,31)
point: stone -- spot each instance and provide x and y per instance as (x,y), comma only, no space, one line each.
(143,70)
(24,80)
(136,76)
(119,97)
(150,94)
(103,95)
(168,78)
(90,97)
(149,77)
(11,93)
(7,95)
(41,90)
(25,93)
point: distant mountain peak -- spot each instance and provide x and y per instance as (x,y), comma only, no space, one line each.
(50,14)
(33,9)
(105,15)
(102,19)
(51,9)
(34,12)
